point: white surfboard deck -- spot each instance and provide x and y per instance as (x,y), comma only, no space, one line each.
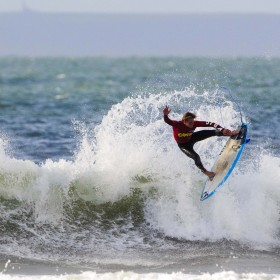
(225,162)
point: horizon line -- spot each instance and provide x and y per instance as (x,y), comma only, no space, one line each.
(27,11)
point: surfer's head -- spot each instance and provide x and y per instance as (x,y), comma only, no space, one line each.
(188,119)
(188,115)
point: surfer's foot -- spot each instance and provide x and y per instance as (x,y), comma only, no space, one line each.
(210,174)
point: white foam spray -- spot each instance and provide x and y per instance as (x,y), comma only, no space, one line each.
(133,142)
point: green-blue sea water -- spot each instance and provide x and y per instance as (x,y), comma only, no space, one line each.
(91,178)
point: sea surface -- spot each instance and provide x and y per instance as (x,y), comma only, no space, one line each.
(93,186)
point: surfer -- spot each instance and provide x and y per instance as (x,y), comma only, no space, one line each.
(185,136)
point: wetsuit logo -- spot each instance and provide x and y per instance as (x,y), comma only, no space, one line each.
(184,134)
(212,124)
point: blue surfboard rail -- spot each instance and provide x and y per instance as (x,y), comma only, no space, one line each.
(244,141)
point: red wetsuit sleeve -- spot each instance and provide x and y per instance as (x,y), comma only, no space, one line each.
(207,124)
(169,121)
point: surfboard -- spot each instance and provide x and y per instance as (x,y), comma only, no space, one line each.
(226,162)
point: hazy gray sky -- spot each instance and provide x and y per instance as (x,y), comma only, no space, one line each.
(36,34)
(145,6)
(192,28)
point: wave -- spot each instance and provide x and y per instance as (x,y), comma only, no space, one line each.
(147,276)
(129,180)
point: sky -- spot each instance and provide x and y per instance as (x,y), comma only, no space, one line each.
(157,27)
(144,6)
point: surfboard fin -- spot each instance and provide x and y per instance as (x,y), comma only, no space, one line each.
(247,140)
(204,196)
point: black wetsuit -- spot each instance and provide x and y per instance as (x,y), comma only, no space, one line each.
(186,137)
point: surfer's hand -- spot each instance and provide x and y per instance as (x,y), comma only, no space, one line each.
(166,110)
(228,132)
(234,132)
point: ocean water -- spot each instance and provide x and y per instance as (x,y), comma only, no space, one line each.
(93,186)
